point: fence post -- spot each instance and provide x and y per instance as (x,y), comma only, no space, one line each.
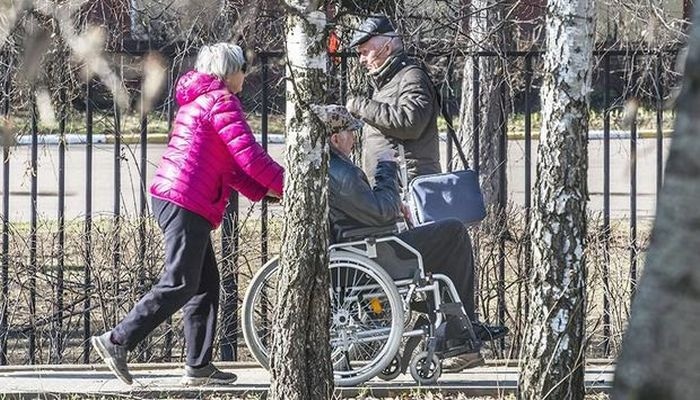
(57,334)
(528,181)
(606,204)
(87,278)
(116,208)
(502,150)
(476,116)
(229,257)
(144,348)
(659,124)
(33,269)
(264,126)
(4,306)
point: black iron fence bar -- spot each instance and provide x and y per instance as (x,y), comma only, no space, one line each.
(33,268)
(343,79)
(528,174)
(116,229)
(659,124)
(57,350)
(502,200)
(476,120)
(5,223)
(443,94)
(144,348)
(87,279)
(263,210)
(633,205)
(171,99)
(264,132)
(168,345)
(229,245)
(606,203)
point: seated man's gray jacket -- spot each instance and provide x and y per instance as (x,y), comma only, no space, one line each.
(354,203)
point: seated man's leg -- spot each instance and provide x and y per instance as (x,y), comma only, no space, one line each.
(446,249)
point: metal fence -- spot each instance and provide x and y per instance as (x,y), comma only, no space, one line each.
(22,275)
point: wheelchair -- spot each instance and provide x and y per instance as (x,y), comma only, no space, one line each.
(376,281)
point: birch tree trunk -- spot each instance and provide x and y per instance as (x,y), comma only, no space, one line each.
(488,32)
(300,352)
(553,359)
(660,356)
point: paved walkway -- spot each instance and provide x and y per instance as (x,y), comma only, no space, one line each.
(36,381)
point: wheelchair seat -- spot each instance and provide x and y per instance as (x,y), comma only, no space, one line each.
(397,258)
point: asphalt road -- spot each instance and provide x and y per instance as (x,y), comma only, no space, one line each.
(103,189)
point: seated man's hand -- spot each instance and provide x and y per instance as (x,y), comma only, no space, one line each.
(387,155)
(406,212)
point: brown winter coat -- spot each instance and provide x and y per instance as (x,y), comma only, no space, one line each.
(404,107)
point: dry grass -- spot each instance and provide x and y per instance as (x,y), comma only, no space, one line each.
(120,276)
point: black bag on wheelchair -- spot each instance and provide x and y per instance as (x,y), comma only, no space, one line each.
(449,195)
(446,195)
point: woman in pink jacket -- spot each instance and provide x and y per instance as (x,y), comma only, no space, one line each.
(211,152)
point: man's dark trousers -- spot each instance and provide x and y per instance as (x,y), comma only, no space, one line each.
(447,249)
(190,281)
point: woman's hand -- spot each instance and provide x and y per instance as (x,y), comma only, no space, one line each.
(273,197)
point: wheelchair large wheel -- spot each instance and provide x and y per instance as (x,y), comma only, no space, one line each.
(366,317)
(258,305)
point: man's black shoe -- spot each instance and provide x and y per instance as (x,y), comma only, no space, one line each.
(487,333)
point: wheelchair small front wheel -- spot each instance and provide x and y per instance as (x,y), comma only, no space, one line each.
(393,370)
(425,371)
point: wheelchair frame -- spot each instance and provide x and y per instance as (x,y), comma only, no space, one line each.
(425,367)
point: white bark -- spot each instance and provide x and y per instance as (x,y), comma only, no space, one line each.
(661,350)
(553,359)
(300,353)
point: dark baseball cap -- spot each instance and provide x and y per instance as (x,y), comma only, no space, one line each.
(374,25)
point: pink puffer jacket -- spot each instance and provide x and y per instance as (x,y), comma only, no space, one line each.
(212,151)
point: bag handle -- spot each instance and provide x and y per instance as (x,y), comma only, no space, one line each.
(450,128)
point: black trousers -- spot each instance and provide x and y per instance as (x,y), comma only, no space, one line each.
(447,249)
(190,281)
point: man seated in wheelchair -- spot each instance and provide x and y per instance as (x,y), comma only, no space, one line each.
(445,245)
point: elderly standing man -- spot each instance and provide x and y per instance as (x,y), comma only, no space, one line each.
(404,106)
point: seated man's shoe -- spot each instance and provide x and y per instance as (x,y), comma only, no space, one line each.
(113,355)
(207,375)
(463,361)
(487,333)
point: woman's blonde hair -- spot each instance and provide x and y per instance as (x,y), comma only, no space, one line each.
(220,59)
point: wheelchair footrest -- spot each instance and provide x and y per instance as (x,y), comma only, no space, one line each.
(455,351)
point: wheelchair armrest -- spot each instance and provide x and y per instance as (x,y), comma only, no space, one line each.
(368,231)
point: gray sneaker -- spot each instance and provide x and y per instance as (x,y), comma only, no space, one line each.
(113,355)
(206,375)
